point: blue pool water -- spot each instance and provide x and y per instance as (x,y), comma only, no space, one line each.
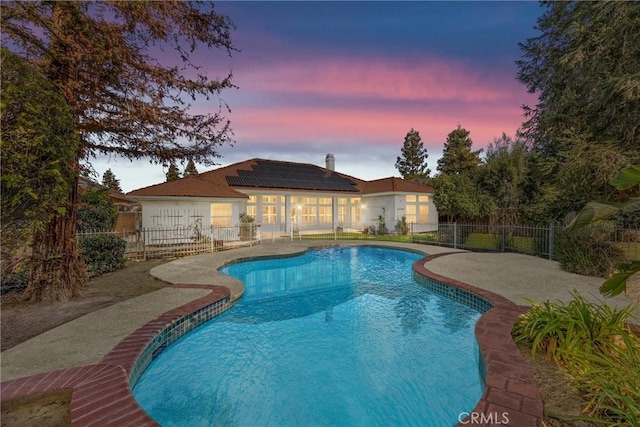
(334,337)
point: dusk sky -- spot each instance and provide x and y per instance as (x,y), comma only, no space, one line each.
(352,78)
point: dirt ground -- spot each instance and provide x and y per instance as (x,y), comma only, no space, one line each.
(21,322)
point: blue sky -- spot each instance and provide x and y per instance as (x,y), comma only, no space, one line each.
(352,78)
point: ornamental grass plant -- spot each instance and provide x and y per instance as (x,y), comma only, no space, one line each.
(596,349)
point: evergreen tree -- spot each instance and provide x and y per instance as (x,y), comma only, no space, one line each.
(109,180)
(101,58)
(190,169)
(38,144)
(173,174)
(412,163)
(503,175)
(457,157)
(584,66)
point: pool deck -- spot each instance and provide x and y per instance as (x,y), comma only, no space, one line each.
(84,348)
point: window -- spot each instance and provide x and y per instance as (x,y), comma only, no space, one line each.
(309,201)
(411,213)
(355,214)
(270,199)
(424,214)
(221,214)
(325,201)
(252,210)
(253,200)
(269,214)
(309,214)
(342,201)
(326,214)
(417,209)
(342,214)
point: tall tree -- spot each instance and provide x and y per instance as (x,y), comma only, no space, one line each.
(173,173)
(584,66)
(412,162)
(457,157)
(109,180)
(190,169)
(38,143)
(101,57)
(502,176)
(458,198)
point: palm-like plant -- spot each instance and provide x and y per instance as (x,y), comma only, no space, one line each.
(628,179)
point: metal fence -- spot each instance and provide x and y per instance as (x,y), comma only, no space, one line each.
(531,240)
(169,242)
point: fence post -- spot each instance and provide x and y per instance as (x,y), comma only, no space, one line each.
(503,236)
(551,240)
(455,235)
(144,245)
(335,233)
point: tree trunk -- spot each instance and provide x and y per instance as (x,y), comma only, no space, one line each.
(57,273)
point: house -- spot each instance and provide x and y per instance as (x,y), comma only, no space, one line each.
(286,197)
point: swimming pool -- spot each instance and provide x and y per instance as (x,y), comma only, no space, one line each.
(338,336)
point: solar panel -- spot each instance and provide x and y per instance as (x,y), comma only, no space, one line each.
(270,174)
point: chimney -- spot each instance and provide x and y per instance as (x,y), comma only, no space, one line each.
(331,162)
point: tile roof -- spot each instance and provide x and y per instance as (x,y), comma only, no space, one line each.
(264,174)
(393,184)
(190,186)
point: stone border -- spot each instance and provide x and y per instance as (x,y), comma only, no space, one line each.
(101,394)
(511,392)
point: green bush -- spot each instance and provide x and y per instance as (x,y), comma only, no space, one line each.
(14,282)
(595,347)
(402,227)
(588,251)
(96,211)
(248,230)
(483,240)
(102,253)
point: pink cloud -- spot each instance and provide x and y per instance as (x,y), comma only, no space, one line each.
(370,126)
(429,79)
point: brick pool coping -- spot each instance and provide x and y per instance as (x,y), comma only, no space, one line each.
(511,392)
(101,393)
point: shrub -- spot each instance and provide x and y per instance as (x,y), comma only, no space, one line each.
(96,211)
(102,253)
(14,282)
(587,251)
(247,227)
(597,349)
(402,227)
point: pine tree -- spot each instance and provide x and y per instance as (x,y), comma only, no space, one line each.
(109,180)
(190,169)
(457,157)
(173,174)
(412,163)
